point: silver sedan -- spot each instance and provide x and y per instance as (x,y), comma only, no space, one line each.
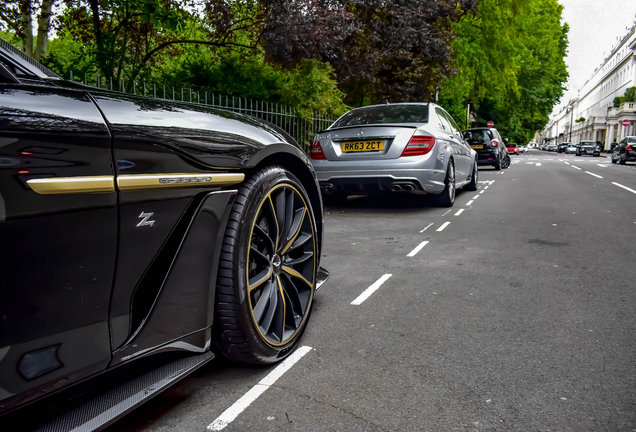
(414,148)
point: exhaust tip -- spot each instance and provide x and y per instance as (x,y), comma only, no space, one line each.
(328,189)
(396,188)
(408,187)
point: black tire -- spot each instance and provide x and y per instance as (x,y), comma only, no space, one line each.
(578,154)
(621,160)
(613,159)
(472,186)
(506,162)
(267,271)
(447,197)
(498,164)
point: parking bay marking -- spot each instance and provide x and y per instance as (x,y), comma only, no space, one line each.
(447,212)
(373,288)
(624,187)
(239,406)
(427,227)
(440,229)
(592,174)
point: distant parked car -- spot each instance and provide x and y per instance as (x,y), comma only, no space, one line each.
(513,148)
(414,148)
(562,147)
(570,149)
(523,149)
(624,151)
(551,147)
(489,146)
(588,148)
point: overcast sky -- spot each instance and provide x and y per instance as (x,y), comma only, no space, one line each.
(594,27)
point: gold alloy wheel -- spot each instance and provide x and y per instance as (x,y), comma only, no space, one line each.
(281,264)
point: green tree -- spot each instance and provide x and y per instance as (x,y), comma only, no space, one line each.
(510,60)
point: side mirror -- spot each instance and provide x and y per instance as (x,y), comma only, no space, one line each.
(506,139)
(467,135)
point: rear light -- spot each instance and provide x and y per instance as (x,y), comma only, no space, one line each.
(494,143)
(419,145)
(628,148)
(316,151)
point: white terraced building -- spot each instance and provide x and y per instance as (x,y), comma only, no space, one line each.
(592,113)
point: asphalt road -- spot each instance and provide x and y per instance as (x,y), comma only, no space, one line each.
(519,315)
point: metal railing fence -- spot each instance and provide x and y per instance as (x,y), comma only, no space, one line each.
(301,126)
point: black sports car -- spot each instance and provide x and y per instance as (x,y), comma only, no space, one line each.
(132,227)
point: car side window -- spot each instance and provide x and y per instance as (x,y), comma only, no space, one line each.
(452,123)
(443,121)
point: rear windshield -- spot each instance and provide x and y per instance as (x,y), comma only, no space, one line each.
(631,139)
(480,136)
(384,114)
(588,143)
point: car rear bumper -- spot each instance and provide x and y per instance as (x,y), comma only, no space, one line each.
(353,182)
(487,158)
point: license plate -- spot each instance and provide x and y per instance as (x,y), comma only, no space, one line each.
(477,146)
(362,146)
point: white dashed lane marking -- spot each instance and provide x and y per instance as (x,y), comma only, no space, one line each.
(239,406)
(624,187)
(469,202)
(538,164)
(592,174)
(373,288)
(459,212)
(417,249)
(575,167)
(427,227)
(443,227)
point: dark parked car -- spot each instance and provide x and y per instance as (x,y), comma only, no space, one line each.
(624,151)
(136,234)
(563,147)
(591,148)
(490,147)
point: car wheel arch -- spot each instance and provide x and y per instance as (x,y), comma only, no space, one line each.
(298,166)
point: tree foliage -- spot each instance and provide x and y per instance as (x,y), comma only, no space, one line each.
(510,58)
(381,50)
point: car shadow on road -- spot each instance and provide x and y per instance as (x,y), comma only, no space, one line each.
(386,204)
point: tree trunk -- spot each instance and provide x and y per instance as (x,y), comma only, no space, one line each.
(44,24)
(101,56)
(26,27)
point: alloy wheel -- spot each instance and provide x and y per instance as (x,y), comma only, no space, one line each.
(281,265)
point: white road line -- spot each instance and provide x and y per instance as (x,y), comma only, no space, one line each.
(575,167)
(567,163)
(482,192)
(447,212)
(459,212)
(502,172)
(538,164)
(602,166)
(230,414)
(624,187)
(469,202)
(427,227)
(486,187)
(592,174)
(418,248)
(440,229)
(529,163)
(373,288)
(475,197)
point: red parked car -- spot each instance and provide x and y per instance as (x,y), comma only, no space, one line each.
(513,148)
